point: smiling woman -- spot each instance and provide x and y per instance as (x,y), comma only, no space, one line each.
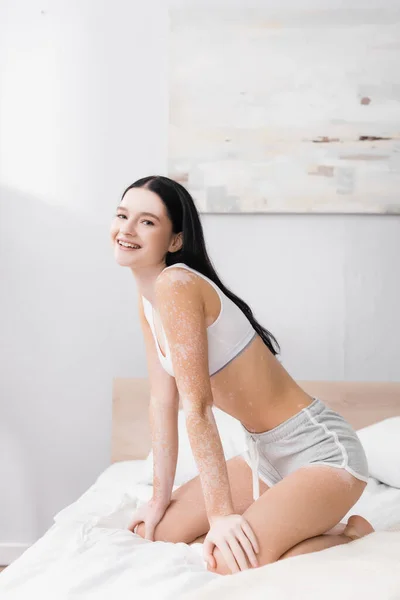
(204,346)
(137,229)
(123,212)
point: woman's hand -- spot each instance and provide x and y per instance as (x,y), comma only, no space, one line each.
(233,536)
(150,514)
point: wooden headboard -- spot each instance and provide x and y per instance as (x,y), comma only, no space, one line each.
(360,403)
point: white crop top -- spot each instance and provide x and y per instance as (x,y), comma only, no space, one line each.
(227,336)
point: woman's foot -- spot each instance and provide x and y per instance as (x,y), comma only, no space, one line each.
(357,527)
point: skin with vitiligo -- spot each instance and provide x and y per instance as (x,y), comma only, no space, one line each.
(165,449)
(254,388)
(183,320)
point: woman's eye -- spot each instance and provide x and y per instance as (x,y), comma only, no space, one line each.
(124,216)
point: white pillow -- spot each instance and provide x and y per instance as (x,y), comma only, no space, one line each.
(233,442)
(381,443)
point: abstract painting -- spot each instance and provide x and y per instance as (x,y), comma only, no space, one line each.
(286,111)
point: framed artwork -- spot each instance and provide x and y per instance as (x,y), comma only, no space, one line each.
(286,111)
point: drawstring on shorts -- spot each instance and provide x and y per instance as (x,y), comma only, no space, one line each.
(255,459)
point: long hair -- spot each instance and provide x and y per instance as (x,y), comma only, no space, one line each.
(185,218)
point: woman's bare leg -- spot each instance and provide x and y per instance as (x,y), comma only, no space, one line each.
(342,533)
(305,504)
(200,539)
(356,528)
(186,519)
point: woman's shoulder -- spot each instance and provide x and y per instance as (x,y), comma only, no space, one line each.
(177,273)
(178,279)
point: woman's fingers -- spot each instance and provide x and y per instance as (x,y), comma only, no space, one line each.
(149,531)
(137,518)
(212,562)
(134,524)
(250,535)
(234,538)
(247,547)
(208,549)
(228,556)
(238,553)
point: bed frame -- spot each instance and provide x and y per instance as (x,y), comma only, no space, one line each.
(360,403)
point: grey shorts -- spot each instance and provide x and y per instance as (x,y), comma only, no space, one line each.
(316,435)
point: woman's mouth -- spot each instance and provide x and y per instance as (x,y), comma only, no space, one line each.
(126,246)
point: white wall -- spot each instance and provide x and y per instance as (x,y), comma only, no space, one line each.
(83,113)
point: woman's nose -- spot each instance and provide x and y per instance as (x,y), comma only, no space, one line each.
(127,230)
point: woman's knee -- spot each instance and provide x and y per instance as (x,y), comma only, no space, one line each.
(221,567)
(161,534)
(164,532)
(174,527)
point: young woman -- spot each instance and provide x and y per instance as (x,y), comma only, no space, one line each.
(305,467)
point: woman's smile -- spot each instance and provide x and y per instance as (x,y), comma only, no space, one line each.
(127,247)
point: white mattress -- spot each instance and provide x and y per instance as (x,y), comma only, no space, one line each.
(89,553)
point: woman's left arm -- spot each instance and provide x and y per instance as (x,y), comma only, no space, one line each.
(182,314)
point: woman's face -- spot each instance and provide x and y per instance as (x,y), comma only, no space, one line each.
(141,220)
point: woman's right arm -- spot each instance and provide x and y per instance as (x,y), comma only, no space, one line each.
(163,415)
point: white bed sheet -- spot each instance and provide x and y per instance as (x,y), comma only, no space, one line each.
(89,553)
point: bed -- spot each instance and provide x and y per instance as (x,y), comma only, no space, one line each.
(89,552)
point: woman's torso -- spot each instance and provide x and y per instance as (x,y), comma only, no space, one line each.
(254,387)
